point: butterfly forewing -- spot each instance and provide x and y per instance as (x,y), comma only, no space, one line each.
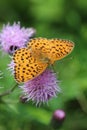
(60,49)
(52,49)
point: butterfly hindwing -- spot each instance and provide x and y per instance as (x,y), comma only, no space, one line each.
(26,66)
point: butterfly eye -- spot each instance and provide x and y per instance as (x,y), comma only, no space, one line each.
(12,49)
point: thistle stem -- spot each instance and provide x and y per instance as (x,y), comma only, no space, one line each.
(82,101)
(7,92)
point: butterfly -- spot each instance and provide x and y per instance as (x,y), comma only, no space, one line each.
(32,60)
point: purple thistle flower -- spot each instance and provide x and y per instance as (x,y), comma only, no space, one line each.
(58,119)
(13,37)
(59,115)
(42,88)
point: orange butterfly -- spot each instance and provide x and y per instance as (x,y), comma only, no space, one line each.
(39,53)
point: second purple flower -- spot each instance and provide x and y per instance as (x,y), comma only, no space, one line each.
(13,37)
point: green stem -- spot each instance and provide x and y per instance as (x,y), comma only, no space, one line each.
(82,101)
(7,92)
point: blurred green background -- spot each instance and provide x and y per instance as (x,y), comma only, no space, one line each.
(66,19)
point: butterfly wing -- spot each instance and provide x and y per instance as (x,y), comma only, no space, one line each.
(54,49)
(26,66)
(39,44)
(60,48)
